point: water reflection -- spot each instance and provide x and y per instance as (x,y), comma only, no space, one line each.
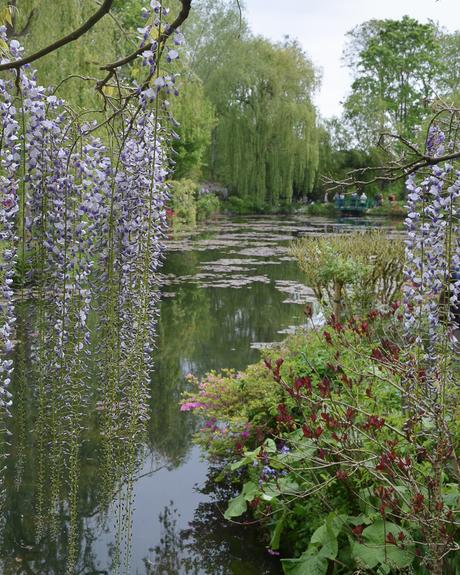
(153,511)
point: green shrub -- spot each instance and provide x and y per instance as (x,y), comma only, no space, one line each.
(317,209)
(237,205)
(183,203)
(393,210)
(338,472)
(207,206)
(354,272)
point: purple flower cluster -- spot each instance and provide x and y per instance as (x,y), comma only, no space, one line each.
(88,221)
(432,249)
(9,183)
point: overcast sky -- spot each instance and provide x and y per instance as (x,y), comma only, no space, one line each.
(321,25)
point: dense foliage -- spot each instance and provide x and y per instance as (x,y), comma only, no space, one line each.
(322,446)
(349,274)
(350,460)
(264,144)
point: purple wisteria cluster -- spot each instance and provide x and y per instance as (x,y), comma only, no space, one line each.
(432,250)
(9,182)
(86,222)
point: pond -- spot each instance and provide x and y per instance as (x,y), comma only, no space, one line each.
(230,288)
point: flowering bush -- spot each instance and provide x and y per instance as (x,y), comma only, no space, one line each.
(335,465)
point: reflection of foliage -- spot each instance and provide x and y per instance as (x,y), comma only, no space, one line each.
(210,545)
(223,546)
(37,530)
(169,554)
(169,435)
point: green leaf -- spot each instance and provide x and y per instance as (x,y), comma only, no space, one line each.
(305,566)
(270,446)
(359,520)
(238,505)
(250,490)
(327,535)
(375,550)
(248,458)
(279,526)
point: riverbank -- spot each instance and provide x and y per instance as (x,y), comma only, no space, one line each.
(393,210)
(282,430)
(193,202)
(318,435)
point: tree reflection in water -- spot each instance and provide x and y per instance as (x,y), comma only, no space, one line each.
(210,545)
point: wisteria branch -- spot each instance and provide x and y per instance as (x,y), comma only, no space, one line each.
(111,68)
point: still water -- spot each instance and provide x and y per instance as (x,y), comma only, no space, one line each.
(230,288)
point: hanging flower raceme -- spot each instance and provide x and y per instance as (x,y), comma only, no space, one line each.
(432,251)
(9,182)
(83,224)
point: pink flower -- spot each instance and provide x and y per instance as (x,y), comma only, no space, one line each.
(189,405)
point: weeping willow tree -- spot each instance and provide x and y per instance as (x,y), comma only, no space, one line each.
(266,143)
(37,23)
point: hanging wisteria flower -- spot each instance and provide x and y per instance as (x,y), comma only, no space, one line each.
(432,251)
(89,222)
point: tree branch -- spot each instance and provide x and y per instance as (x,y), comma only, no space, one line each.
(394,171)
(103,10)
(110,68)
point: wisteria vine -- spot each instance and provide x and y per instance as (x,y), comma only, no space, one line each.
(432,286)
(82,226)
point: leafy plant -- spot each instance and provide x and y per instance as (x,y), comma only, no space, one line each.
(207,206)
(351,273)
(331,464)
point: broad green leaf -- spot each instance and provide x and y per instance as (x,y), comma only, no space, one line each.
(451,495)
(374,549)
(250,490)
(270,445)
(326,535)
(248,458)
(305,566)
(238,505)
(359,520)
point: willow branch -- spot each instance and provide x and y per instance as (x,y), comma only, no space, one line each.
(92,21)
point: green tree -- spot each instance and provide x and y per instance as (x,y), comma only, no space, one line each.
(264,144)
(44,21)
(395,66)
(449,80)
(195,116)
